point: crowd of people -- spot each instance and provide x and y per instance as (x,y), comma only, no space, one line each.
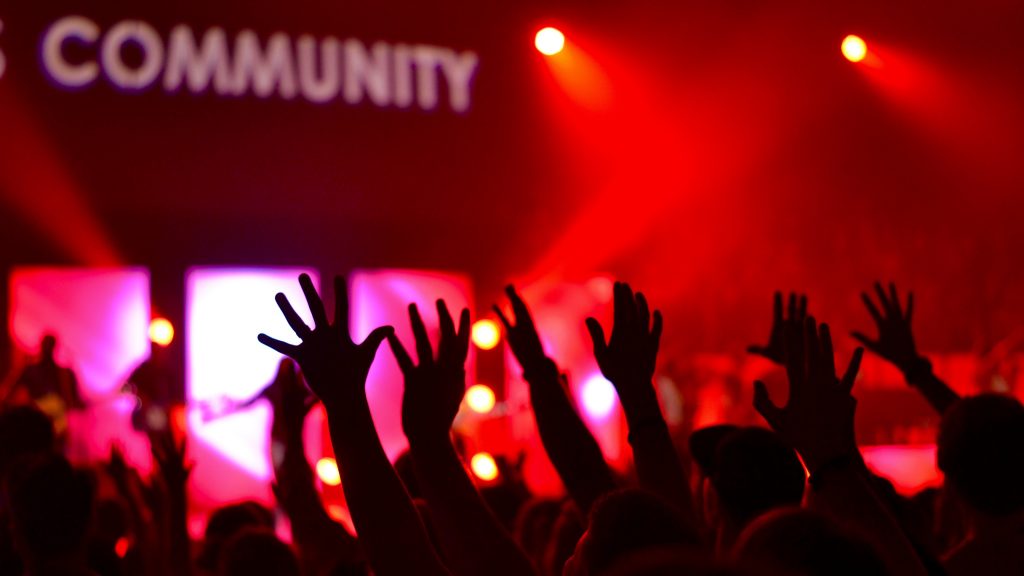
(791,498)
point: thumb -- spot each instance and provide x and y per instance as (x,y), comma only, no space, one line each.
(764,405)
(373,341)
(597,336)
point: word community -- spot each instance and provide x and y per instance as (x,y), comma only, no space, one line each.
(75,53)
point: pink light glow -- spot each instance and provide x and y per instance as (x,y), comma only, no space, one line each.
(598,396)
(909,467)
(382,297)
(226,309)
(101,320)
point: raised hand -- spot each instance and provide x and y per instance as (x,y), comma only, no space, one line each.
(818,418)
(434,388)
(522,337)
(169,455)
(775,349)
(895,340)
(628,358)
(335,367)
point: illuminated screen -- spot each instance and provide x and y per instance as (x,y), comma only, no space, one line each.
(101,320)
(226,308)
(382,297)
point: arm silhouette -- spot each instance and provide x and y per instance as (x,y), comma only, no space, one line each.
(390,530)
(169,455)
(895,343)
(322,543)
(473,540)
(818,421)
(568,442)
(627,359)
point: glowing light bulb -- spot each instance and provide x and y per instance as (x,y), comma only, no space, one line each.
(484,466)
(480,398)
(854,48)
(486,334)
(549,41)
(161,331)
(327,471)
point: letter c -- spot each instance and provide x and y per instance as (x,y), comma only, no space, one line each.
(56,67)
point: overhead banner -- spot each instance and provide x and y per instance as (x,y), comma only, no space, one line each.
(135,56)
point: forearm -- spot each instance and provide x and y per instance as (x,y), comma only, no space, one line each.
(180,545)
(473,539)
(390,530)
(314,532)
(654,454)
(570,446)
(842,490)
(920,376)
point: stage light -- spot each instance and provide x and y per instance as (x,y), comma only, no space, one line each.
(480,398)
(854,48)
(327,471)
(549,41)
(161,331)
(484,466)
(598,397)
(486,334)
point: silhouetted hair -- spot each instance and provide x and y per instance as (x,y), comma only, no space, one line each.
(255,550)
(24,431)
(980,452)
(704,443)
(627,521)
(51,506)
(756,471)
(800,542)
(227,521)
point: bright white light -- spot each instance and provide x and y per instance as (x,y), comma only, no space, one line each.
(226,308)
(484,466)
(549,41)
(486,334)
(598,397)
(327,471)
(480,398)
(854,48)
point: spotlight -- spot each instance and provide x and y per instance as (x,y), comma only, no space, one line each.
(854,48)
(549,41)
(327,471)
(161,331)
(486,334)
(484,466)
(598,397)
(480,398)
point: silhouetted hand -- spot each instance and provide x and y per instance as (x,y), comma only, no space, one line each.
(775,349)
(895,340)
(434,388)
(522,337)
(818,419)
(628,358)
(169,455)
(335,367)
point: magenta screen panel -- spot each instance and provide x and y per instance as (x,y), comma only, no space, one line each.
(382,297)
(101,320)
(226,308)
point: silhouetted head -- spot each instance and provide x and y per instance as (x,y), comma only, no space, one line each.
(227,521)
(257,551)
(51,506)
(980,453)
(704,444)
(535,524)
(800,542)
(625,522)
(754,471)
(47,346)
(670,561)
(24,432)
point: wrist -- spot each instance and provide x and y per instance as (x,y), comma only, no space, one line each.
(916,370)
